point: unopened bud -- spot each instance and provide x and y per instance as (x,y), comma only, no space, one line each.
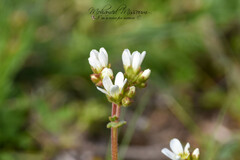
(195,154)
(142,85)
(131,91)
(126,101)
(145,75)
(107,72)
(95,78)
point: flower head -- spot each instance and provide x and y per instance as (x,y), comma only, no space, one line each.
(98,60)
(113,90)
(177,153)
(102,76)
(135,60)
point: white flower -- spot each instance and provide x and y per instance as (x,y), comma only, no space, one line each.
(135,60)
(98,60)
(107,72)
(177,152)
(196,153)
(116,89)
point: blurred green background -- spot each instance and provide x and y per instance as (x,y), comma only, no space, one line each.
(49,108)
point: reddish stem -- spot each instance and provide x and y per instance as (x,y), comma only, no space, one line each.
(114,145)
(114,132)
(118,110)
(114,108)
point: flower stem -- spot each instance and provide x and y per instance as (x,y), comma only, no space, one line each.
(114,132)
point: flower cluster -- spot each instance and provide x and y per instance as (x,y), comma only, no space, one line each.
(100,67)
(132,66)
(178,153)
(123,89)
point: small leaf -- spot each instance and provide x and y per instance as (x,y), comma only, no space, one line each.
(109,125)
(114,118)
(116,124)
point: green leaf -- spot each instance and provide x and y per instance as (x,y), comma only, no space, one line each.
(116,124)
(113,118)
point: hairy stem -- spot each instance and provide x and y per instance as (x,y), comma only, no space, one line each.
(114,133)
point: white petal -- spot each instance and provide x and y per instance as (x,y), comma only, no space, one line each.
(95,63)
(103,90)
(176,146)
(102,50)
(142,56)
(119,79)
(94,53)
(114,91)
(196,152)
(126,58)
(107,72)
(186,148)
(92,63)
(136,59)
(135,52)
(177,157)
(103,59)
(107,83)
(168,153)
(124,82)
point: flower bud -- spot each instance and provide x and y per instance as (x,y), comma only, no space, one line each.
(126,101)
(131,91)
(195,154)
(145,75)
(95,78)
(142,85)
(107,72)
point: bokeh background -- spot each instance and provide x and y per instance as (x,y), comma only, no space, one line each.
(50,110)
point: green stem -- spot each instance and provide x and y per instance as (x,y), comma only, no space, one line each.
(114,133)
